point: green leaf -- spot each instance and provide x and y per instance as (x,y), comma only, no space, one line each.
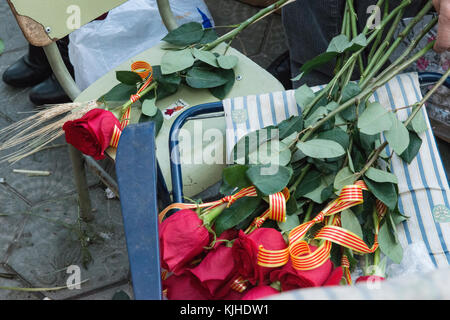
(185,34)
(222,91)
(119,93)
(208,36)
(343,178)
(250,143)
(317,61)
(383,191)
(321,148)
(351,90)
(149,107)
(350,161)
(351,223)
(388,245)
(319,194)
(374,119)
(291,222)
(397,136)
(415,142)
(128,77)
(289,126)
(269,180)
(358,42)
(2,46)
(378,175)
(418,123)
(337,135)
(272,152)
(199,78)
(205,56)
(237,212)
(158,119)
(311,181)
(318,114)
(173,61)
(303,96)
(339,44)
(227,62)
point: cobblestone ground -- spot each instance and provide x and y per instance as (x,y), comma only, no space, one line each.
(40,234)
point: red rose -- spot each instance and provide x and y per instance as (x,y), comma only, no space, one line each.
(182,237)
(290,278)
(216,270)
(245,252)
(259,292)
(372,278)
(185,287)
(92,133)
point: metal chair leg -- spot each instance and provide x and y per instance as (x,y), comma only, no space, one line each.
(79,174)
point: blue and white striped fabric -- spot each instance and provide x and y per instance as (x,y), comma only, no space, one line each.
(423,186)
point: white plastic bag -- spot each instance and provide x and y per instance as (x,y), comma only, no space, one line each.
(128,30)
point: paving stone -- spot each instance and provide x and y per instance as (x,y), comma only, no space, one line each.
(6,294)
(50,243)
(108,294)
(40,188)
(10,32)
(11,219)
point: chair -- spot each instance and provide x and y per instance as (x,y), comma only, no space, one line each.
(43,29)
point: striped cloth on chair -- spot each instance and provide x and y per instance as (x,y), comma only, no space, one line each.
(423,186)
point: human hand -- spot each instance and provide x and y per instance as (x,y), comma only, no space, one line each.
(443,37)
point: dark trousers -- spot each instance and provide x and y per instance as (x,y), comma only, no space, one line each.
(311,24)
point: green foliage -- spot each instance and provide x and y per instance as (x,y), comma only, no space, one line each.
(236,213)
(186,34)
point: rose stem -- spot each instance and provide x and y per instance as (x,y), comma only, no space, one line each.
(379,64)
(412,46)
(261,14)
(300,178)
(213,214)
(380,35)
(349,62)
(308,212)
(418,106)
(368,90)
(380,52)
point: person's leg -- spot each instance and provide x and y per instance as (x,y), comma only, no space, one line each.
(31,69)
(50,91)
(310,26)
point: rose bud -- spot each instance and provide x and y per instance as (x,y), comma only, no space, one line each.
(182,237)
(245,252)
(372,278)
(92,133)
(185,287)
(260,292)
(216,270)
(291,278)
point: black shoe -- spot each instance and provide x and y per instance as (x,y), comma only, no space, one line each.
(48,92)
(29,70)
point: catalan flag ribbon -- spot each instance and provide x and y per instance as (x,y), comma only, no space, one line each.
(145,71)
(246,192)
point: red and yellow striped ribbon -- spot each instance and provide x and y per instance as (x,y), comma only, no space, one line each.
(272,258)
(345,264)
(115,137)
(246,192)
(276,210)
(145,71)
(239,284)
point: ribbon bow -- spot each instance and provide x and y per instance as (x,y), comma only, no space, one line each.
(145,71)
